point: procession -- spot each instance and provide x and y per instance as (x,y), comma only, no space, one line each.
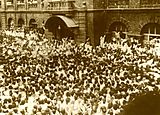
(59,77)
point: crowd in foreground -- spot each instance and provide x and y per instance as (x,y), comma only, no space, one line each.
(55,77)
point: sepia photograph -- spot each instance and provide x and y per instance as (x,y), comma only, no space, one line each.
(79,57)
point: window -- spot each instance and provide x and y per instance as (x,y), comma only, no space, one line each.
(118,26)
(151,28)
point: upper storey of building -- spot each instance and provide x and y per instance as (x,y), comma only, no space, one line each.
(126,3)
(38,5)
(23,5)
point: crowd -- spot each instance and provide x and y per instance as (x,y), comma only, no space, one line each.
(46,77)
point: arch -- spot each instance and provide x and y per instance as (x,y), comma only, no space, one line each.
(118,26)
(10,22)
(20,22)
(119,19)
(150,28)
(60,26)
(32,23)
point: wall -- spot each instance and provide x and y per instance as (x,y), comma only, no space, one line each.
(134,19)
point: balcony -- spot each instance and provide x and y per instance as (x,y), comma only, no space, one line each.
(149,3)
(118,6)
(150,6)
(60,5)
(41,6)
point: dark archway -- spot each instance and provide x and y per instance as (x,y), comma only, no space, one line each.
(116,30)
(118,27)
(151,28)
(10,22)
(60,26)
(32,23)
(20,22)
(148,104)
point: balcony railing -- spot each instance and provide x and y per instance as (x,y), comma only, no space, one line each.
(149,3)
(118,4)
(61,5)
(52,5)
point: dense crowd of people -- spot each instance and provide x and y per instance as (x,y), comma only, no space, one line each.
(44,76)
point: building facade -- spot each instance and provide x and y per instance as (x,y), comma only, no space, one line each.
(61,18)
(81,19)
(136,17)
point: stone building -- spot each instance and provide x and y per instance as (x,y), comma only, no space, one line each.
(81,19)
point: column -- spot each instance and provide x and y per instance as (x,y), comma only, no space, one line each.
(15,4)
(26,4)
(45,4)
(26,8)
(3,15)
(81,19)
(39,4)
(3,4)
(4,20)
(15,16)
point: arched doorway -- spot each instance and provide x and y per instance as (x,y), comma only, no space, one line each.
(32,23)
(61,26)
(20,22)
(10,23)
(117,27)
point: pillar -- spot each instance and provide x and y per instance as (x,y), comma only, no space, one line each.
(3,15)
(15,8)
(45,4)
(15,4)
(3,4)
(26,4)
(26,8)
(38,4)
(81,19)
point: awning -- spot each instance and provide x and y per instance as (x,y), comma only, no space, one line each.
(68,21)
